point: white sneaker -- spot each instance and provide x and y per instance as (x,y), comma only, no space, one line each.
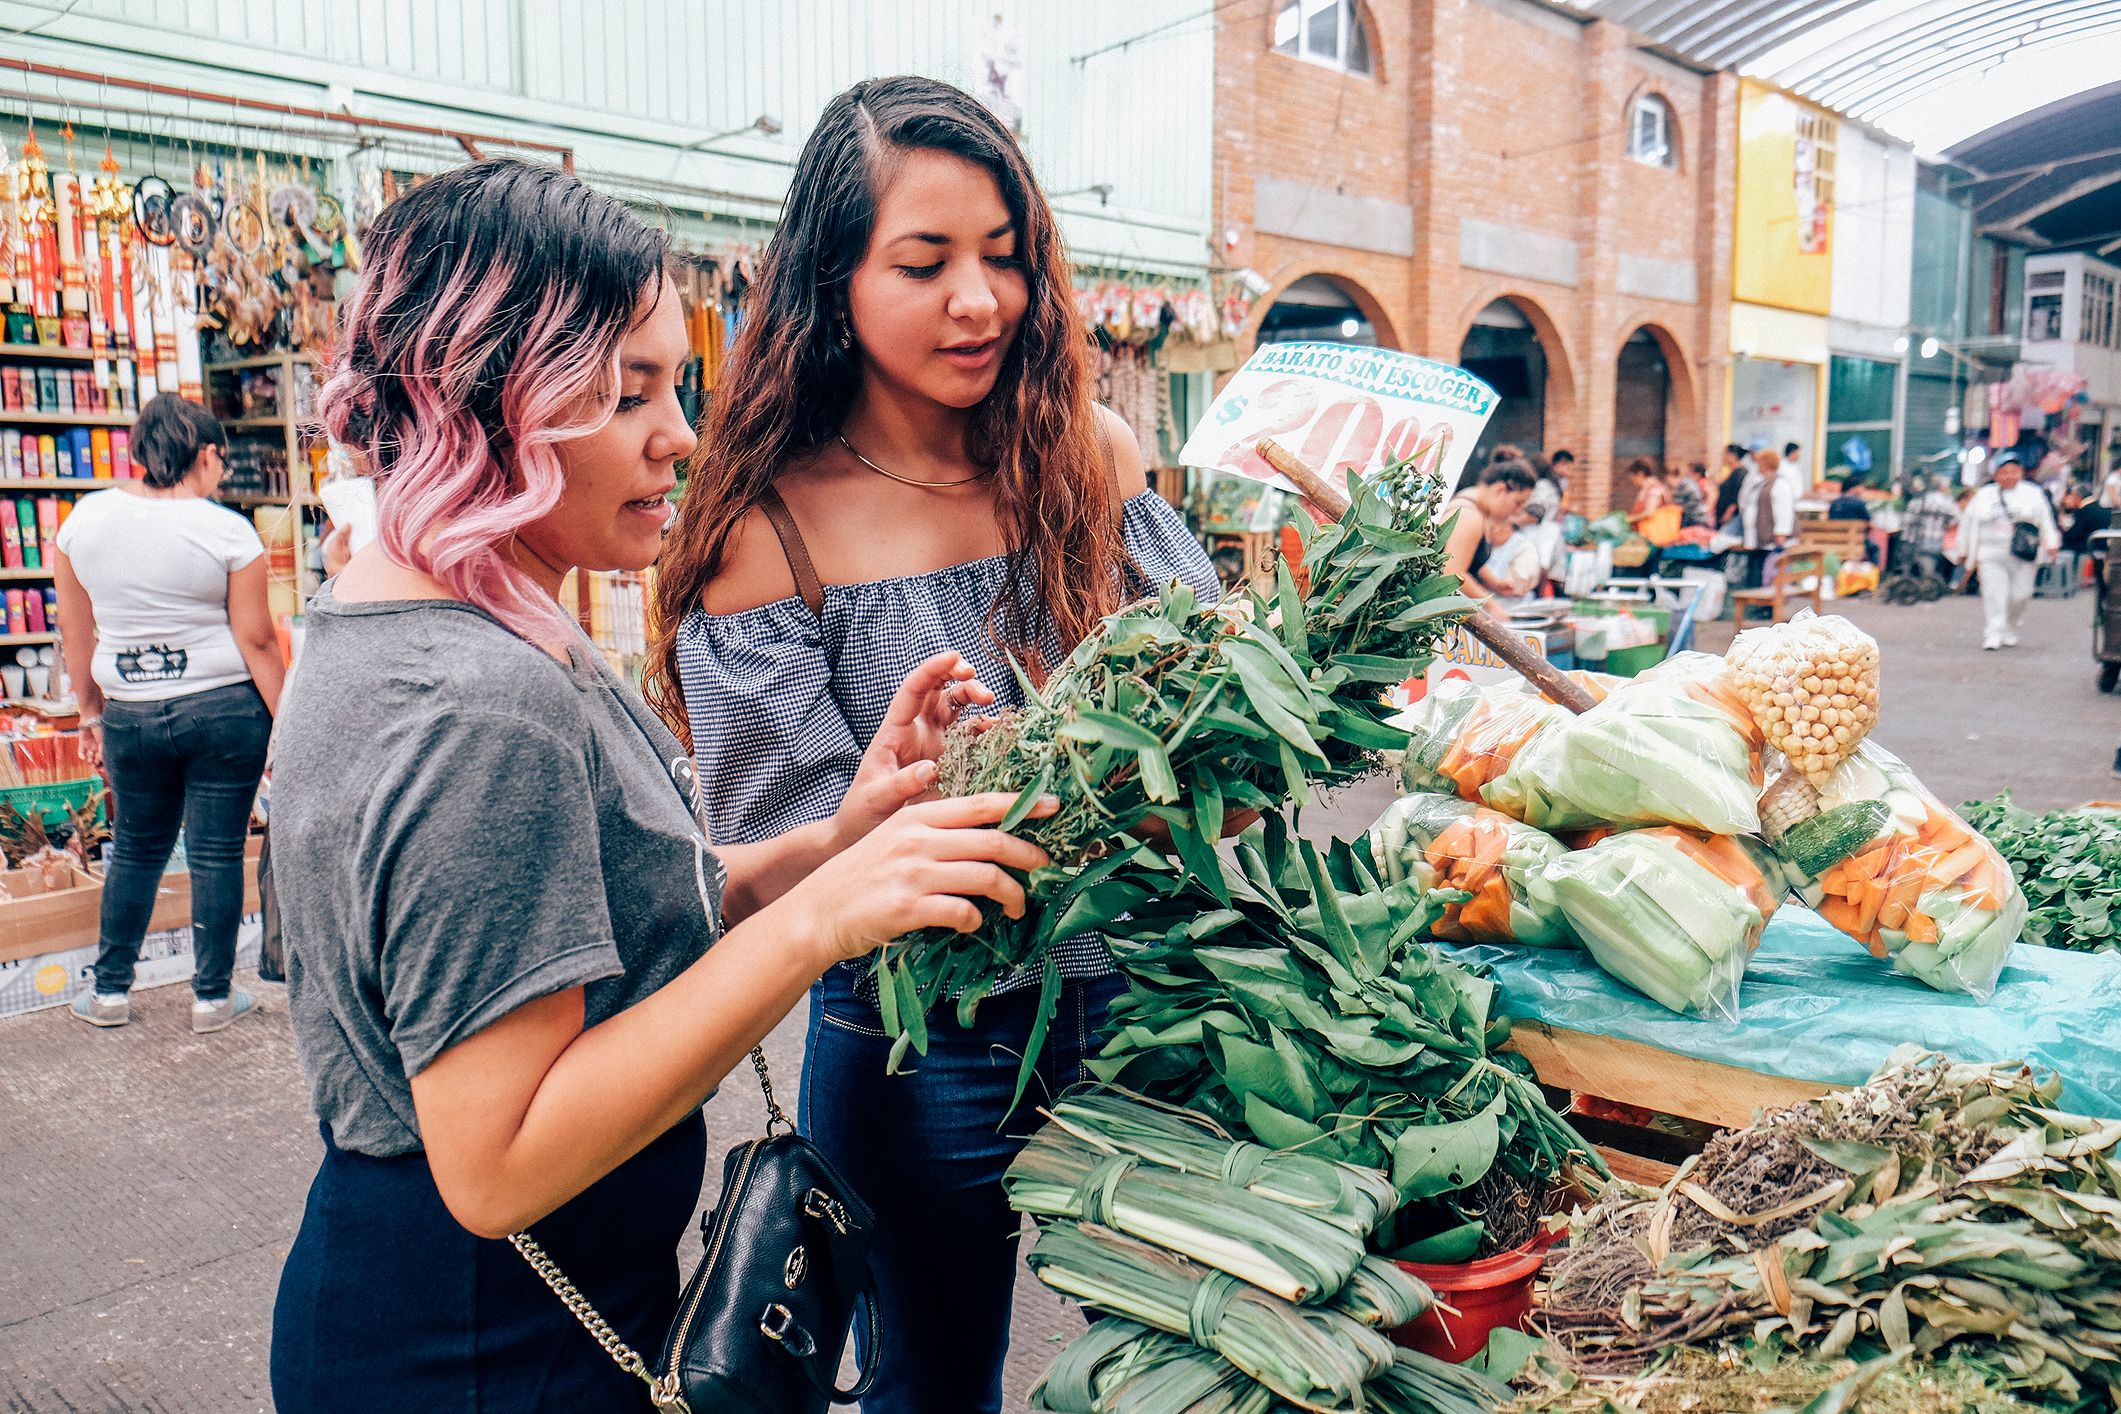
(1990,645)
(2010,640)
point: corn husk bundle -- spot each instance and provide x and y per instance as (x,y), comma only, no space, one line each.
(1309,1015)
(1941,1207)
(1183,711)
(1315,1357)
(1674,914)
(1672,747)
(1120,1367)
(1812,684)
(1113,1122)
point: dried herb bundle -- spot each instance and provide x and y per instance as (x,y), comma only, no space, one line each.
(1950,1208)
(1184,712)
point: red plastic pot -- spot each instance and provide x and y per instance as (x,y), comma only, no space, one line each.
(1489,1294)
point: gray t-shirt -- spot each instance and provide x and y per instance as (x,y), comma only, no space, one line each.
(460,825)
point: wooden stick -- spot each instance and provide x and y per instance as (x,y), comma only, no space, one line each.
(1483,624)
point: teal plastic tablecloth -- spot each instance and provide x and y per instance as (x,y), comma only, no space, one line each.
(1816,1006)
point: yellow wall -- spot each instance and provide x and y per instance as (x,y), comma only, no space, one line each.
(1769,262)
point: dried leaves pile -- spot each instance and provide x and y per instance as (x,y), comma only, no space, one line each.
(1942,1207)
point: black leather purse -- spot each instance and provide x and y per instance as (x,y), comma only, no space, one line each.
(786,1271)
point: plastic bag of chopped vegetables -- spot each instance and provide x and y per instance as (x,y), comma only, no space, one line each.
(1455,844)
(1672,913)
(1890,865)
(1673,747)
(1463,734)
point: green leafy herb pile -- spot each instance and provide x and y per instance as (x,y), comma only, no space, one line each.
(1183,712)
(1291,998)
(2069,864)
(1939,1207)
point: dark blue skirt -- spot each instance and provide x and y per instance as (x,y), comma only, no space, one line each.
(387,1303)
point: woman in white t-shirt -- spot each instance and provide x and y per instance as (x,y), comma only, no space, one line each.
(171,646)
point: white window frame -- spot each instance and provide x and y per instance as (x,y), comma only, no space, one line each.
(1295,17)
(1666,156)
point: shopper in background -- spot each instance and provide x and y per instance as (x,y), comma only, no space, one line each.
(2081,519)
(904,456)
(2110,488)
(1846,504)
(1767,509)
(1793,471)
(510,980)
(1484,515)
(1651,493)
(2004,520)
(1689,494)
(1931,516)
(172,650)
(1548,493)
(1736,467)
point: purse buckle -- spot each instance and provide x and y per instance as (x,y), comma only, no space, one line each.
(817,1203)
(777,1323)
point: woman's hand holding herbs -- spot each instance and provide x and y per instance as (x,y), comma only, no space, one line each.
(924,867)
(899,766)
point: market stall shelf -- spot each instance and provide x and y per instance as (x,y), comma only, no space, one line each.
(275,459)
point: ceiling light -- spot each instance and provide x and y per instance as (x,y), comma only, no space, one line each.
(1349,328)
(1929,347)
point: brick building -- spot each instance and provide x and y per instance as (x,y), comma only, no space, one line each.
(1504,183)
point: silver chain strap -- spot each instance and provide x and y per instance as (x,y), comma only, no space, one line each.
(663,1393)
(624,1355)
(774,1116)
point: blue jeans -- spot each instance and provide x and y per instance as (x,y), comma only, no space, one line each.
(927,1150)
(194,762)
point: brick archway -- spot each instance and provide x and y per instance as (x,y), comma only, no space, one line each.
(1683,397)
(1560,419)
(1561,366)
(1372,308)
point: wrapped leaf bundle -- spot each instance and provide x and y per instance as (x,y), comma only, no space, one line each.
(1113,1122)
(1315,1357)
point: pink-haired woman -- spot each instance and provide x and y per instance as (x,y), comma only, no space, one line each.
(516,967)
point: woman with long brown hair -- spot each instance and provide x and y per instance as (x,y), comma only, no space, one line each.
(904,458)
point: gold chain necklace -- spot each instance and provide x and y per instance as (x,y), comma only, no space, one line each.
(908,480)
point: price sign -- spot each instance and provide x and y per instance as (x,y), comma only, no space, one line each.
(1340,407)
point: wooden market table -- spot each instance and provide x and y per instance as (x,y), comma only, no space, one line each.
(1643,1076)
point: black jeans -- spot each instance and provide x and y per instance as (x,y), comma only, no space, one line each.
(926,1150)
(192,761)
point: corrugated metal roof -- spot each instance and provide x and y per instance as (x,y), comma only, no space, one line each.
(1861,57)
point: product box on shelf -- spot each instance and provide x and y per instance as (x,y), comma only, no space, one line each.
(44,914)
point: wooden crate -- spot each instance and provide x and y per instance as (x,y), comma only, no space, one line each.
(173,899)
(35,919)
(1629,1073)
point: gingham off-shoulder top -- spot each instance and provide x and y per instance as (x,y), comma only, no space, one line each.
(782,703)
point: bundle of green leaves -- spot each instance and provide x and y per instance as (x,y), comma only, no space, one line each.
(1290,997)
(1184,712)
(2069,864)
